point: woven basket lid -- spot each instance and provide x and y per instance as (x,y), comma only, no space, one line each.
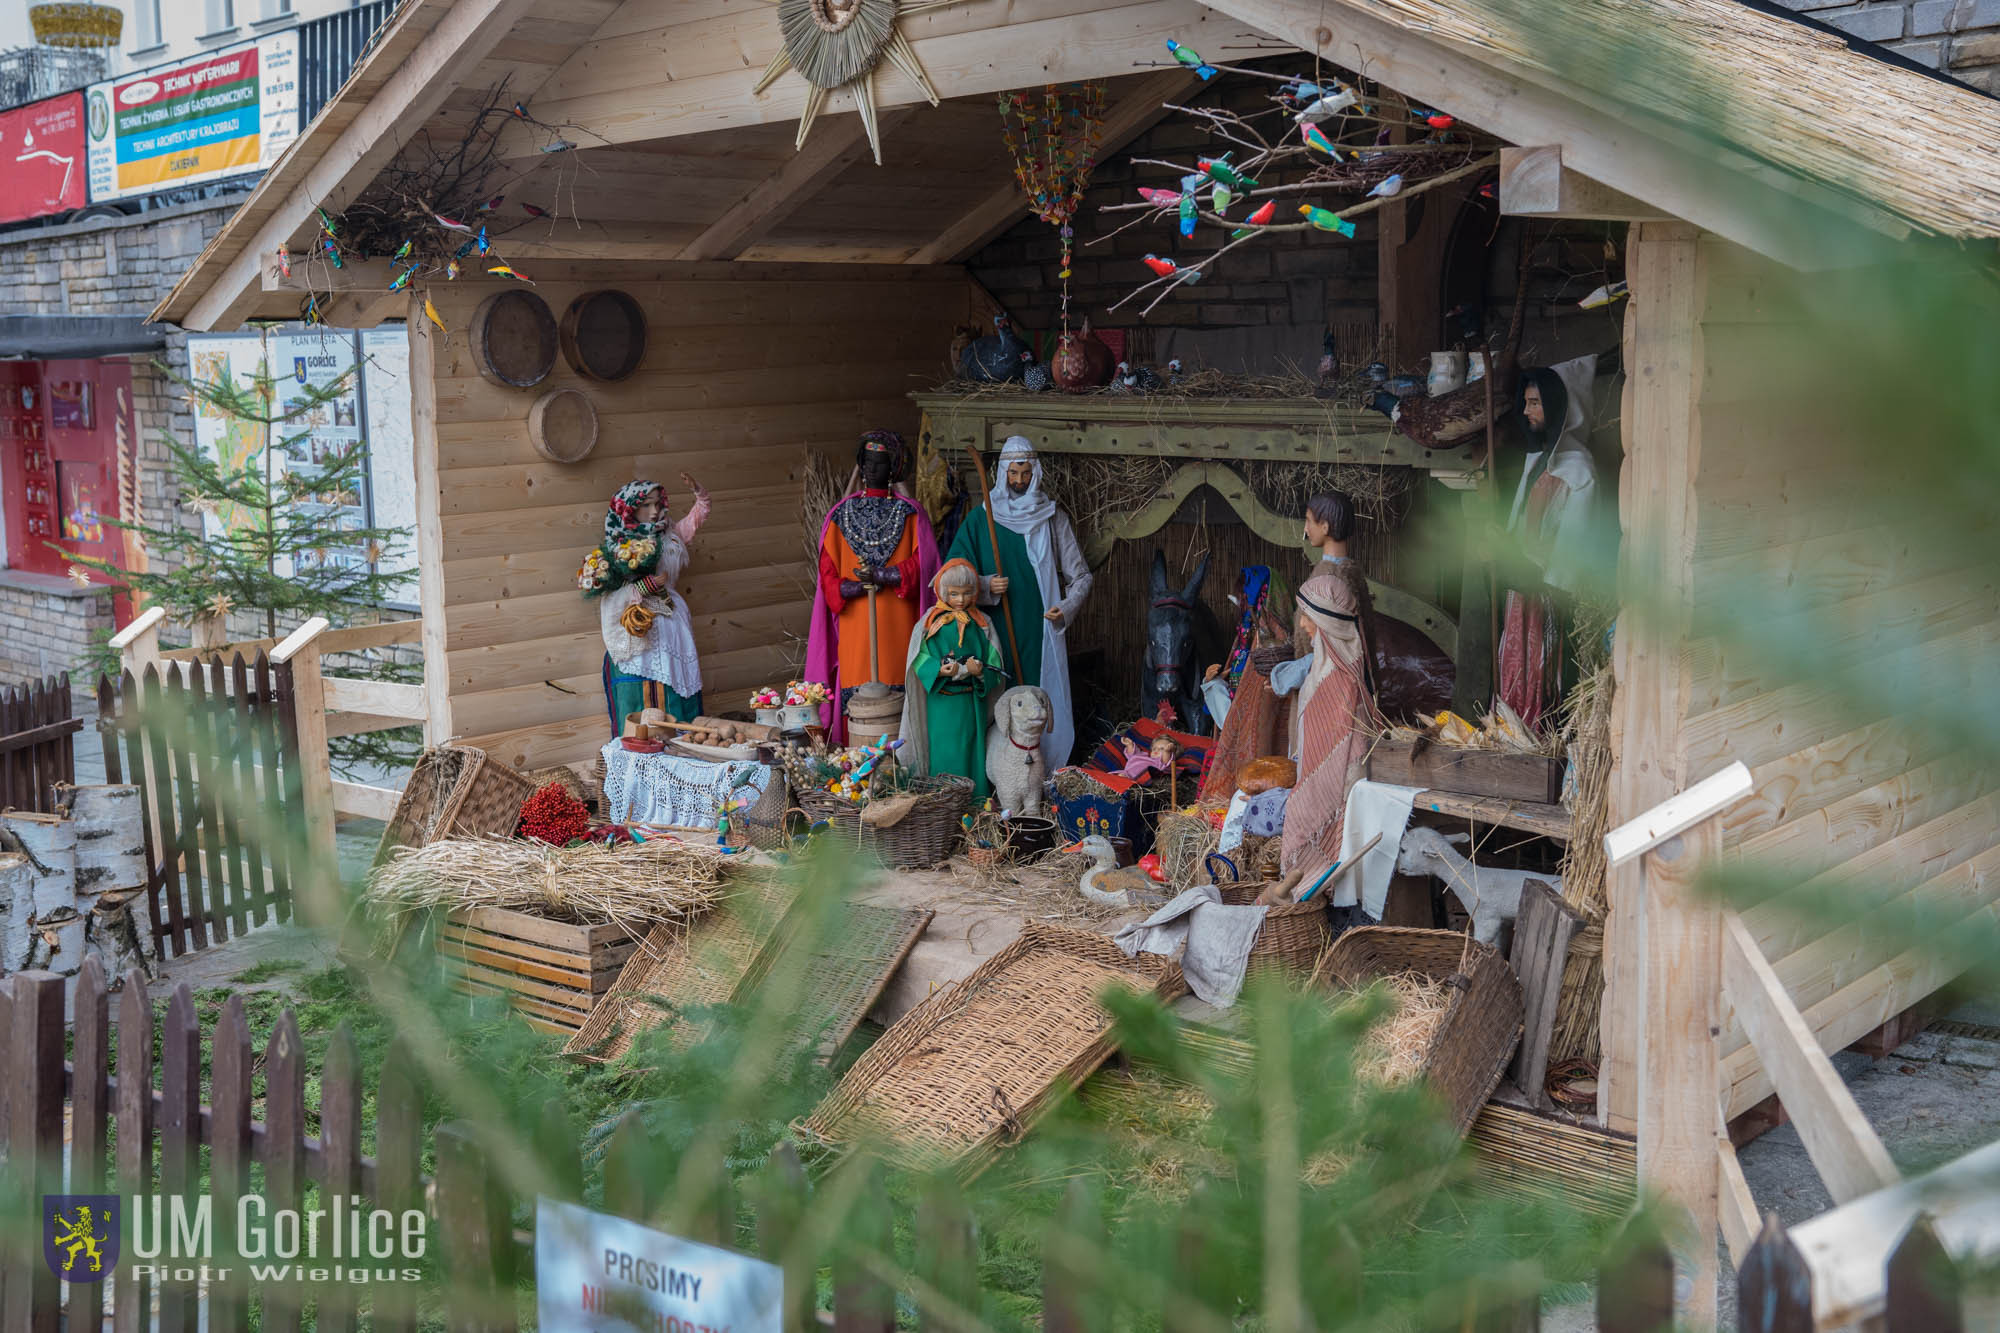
(563,425)
(514,339)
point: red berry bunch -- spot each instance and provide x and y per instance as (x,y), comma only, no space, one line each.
(553,815)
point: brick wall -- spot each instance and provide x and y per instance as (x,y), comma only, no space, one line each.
(47,624)
(1961,37)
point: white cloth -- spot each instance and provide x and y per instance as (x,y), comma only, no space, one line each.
(1216,697)
(1057,556)
(1261,815)
(1213,939)
(1372,807)
(1571,521)
(666,653)
(675,789)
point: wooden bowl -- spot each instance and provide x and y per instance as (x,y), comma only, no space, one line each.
(604,335)
(513,339)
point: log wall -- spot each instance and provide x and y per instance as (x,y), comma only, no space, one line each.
(1820,608)
(746,367)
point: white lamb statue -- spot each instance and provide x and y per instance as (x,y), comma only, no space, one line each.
(1014,763)
(1490,895)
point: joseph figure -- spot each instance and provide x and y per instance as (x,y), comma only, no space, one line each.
(873,541)
(1039,582)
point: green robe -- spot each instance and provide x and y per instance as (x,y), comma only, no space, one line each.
(1023,598)
(955,706)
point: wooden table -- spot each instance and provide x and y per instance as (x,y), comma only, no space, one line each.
(1548,821)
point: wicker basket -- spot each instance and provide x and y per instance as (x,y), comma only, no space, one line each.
(921,839)
(1293,935)
(766,824)
(1480,1029)
(487,799)
(456,791)
(571,782)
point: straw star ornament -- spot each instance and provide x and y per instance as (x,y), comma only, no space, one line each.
(835,44)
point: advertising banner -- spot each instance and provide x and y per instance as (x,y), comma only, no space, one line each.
(42,167)
(199,120)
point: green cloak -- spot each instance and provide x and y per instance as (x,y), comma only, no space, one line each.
(955,706)
(1023,598)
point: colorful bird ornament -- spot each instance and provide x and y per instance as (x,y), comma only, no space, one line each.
(1326,220)
(450,224)
(1221,198)
(1188,211)
(1161,198)
(490,204)
(451,270)
(326,223)
(465,249)
(534,212)
(402,280)
(332,251)
(1219,170)
(1317,140)
(507,270)
(1389,187)
(431,312)
(1326,106)
(1301,90)
(284,261)
(520,111)
(479,242)
(1261,218)
(402,252)
(1187,56)
(1437,120)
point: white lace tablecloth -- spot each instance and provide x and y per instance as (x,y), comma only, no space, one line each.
(675,789)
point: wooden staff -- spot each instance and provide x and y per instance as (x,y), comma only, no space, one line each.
(993,539)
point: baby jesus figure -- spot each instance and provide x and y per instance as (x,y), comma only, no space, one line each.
(1157,758)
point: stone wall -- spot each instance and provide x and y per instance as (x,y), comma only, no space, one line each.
(1960,37)
(47,623)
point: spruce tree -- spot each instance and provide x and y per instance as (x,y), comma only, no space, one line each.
(276,549)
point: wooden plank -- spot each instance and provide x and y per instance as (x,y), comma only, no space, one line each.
(399,1184)
(1738,1218)
(90,1119)
(430,530)
(600,957)
(1677,814)
(205,748)
(1543,820)
(345,694)
(340,1161)
(563,935)
(654,444)
(240,796)
(301,654)
(229,1155)
(284,1152)
(461,968)
(132,1298)
(181,779)
(1528,778)
(270,731)
(583,983)
(32,1298)
(1534,183)
(363,801)
(1542,934)
(1845,1149)
(822,157)
(536,1013)
(180,1141)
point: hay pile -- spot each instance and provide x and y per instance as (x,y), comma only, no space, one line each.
(1396,1047)
(1586,731)
(631,885)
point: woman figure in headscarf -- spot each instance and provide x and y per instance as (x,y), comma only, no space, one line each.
(1335,719)
(953,667)
(649,656)
(1552,513)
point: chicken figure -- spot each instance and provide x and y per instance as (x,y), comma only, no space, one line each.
(1106,882)
(995,358)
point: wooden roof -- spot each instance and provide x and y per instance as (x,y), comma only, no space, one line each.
(1765,132)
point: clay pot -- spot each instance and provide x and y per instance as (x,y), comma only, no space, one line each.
(797,717)
(1082,361)
(1030,835)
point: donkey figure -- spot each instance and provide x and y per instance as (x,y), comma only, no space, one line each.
(1181,633)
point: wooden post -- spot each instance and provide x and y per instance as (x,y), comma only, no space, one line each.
(781,1207)
(1680,1074)
(284,1152)
(180,1141)
(90,1102)
(1774,1287)
(229,1158)
(301,650)
(429,538)
(399,1127)
(33,1299)
(1925,1288)
(132,1301)
(138,644)
(340,1159)
(473,1219)
(1635,1284)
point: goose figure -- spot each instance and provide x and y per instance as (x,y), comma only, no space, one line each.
(1108,883)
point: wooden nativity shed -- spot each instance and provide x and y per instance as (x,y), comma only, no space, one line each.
(796,295)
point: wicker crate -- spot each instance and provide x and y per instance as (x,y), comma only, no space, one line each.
(1481,1027)
(455,791)
(923,838)
(551,972)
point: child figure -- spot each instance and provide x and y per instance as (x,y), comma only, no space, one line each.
(953,664)
(1157,758)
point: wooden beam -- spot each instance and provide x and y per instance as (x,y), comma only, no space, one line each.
(1135,113)
(461,39)
(1485,89)
(429,536)
(358,275)
(346,694)
(1846,1150)
(1738,1206)
(364,802)
(1534,183)
(830,150)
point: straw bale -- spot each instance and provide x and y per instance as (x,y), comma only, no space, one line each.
(631,885)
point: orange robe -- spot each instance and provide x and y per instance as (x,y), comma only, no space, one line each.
(896,609)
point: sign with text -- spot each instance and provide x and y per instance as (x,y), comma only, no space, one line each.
(595,1273)
(200,120)
(42,168)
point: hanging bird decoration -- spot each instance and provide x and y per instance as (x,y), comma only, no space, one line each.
(835,44)
(402,252)
(1161,198)
(490,204)
(465,249)
(431,313)
(520,111)
(1437,120)
(1220,198)
(1604,296)
(1326,220)
(1188,211)
(402,280)
(284,261)
(1053,138)
(1388,188)
(1326,106)
(332,251)
(451,270)
(1189,57)
(309,310)
(1261,218)
(506,270)
(1316,139)
(450,224)
(534,212)
(480,243)
(557,146)
(326,223)
(1219,170)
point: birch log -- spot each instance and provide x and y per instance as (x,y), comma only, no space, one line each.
(110,827)
(50,843)
(55,943)
(115,934)
(17,904)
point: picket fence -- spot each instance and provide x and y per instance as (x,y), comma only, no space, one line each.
(214,748)
(37,743)
(160,1133)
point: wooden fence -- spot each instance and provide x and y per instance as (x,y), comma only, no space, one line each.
(472,1246)
(37,743)
(214,748)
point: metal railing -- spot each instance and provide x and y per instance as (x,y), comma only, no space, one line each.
(330,48)
(34,72)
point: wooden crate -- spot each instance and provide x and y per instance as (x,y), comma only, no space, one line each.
(551,972)
(1513,777)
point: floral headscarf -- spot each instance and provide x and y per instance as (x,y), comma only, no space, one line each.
(630,549)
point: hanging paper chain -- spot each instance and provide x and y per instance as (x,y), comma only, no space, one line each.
(1053,140)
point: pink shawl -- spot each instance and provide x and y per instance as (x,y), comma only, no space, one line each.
(822,650)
